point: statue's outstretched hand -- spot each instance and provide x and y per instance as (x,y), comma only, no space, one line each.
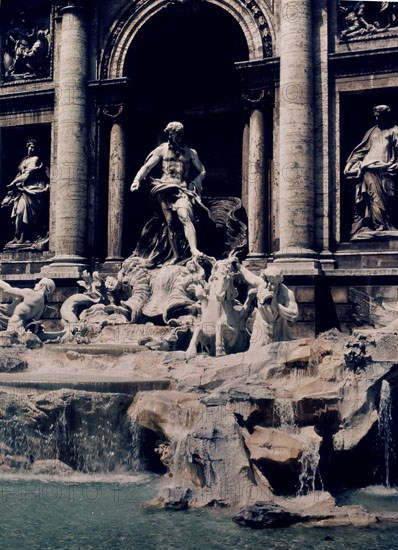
(135,186)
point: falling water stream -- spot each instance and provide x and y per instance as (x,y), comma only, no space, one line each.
(385,435)
(285,417)
(309,461)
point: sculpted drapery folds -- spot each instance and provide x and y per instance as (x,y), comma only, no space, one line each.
(28,198)
(373,165)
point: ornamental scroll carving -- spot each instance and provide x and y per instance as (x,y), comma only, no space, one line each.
(262,25)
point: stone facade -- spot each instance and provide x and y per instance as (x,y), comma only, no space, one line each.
(273,93)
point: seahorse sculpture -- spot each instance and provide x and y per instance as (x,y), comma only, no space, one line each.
(73,306)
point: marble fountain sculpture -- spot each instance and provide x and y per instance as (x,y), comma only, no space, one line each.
(218,396)
(185,363)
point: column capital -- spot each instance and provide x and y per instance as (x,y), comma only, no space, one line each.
(115,112)
(256,99)
(64,6)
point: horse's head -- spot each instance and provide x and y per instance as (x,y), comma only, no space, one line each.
(222,280)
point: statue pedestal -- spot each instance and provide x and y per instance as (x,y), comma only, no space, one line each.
(371,235)
(69,267)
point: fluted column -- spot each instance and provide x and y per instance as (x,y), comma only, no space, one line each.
(116,184)
(296,158)
(256,178)
(72,138)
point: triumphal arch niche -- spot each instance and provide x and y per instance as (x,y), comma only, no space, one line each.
(160,68)
(275,96)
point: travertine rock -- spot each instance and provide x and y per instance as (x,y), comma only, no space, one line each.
(278,445)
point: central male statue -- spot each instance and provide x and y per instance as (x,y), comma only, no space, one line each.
(175,191)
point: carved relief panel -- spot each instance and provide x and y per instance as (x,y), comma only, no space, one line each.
(364,20)
(25,41)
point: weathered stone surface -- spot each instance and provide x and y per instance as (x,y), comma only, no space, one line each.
(12,363)
(87,431)
(169,413)
(278,445)
(51,467)
(32,341)
(220,434)
(266,514)
(322,513)
(299,357)
(173,498)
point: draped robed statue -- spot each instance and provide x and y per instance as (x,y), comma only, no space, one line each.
(27,196)
(373,167)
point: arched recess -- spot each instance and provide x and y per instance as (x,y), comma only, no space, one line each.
(253,21)
(180,66)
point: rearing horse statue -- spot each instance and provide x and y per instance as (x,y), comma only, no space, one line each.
(221,328)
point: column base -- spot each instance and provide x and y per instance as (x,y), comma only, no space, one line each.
(65,267)
(292,252)
(297,260)
(256,262)
(113,263)
(298,266)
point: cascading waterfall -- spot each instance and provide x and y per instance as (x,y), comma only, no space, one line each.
(86,431)
(285,415)
(385,436)
(309,462)
(285,418)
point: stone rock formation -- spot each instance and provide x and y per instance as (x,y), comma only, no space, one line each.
(295,420)
(247,428)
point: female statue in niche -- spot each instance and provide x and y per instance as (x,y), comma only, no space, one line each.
(373,165)
(28,198)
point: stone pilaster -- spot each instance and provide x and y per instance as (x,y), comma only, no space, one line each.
(296,152)
(116,183)
(256,177)
(72,140)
